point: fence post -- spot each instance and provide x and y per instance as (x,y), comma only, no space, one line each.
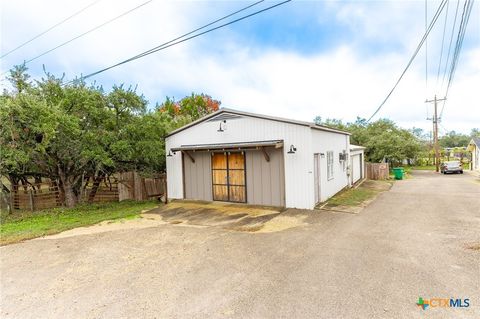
(31,200)
(12,194)
(166,189)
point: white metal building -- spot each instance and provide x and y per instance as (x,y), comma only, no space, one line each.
(250,158)
(357,163)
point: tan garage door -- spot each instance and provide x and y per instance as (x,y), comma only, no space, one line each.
(228,176)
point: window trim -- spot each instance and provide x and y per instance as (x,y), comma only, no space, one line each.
(330,163)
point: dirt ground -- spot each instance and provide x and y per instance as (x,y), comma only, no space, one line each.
(419,239)
(242,218)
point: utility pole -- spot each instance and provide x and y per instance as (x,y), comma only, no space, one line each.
(435,120)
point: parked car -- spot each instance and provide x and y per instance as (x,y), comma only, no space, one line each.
(451,167)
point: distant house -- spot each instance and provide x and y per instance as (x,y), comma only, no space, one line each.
(242,157)
(474,147)
(455,152)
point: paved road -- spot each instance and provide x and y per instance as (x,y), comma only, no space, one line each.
(413,241)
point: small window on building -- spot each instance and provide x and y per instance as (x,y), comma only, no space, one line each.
(330,165)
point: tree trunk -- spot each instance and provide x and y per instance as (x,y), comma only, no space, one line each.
(70,197)
(96,184)
(67,184)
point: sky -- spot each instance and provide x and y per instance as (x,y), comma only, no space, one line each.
(334,59)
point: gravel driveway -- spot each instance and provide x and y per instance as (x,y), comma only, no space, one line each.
(420,239)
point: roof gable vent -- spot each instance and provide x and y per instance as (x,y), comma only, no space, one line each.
(224,117)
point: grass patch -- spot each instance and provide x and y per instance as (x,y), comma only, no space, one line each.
(352,197)
(24,225)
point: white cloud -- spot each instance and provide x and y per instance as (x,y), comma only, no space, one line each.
(340,82)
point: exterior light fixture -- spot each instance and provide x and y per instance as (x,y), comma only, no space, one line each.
(222,128)
(170,153)
(292,150)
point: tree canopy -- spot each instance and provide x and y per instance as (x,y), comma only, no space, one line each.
(383,139)
(67,131)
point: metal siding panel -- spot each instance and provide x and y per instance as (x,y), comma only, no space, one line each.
(274,179)
(266,187)
(250,172)
(265,181)
(198,177)
(316,175)
(328,141)
(276,173)
(207,169)
(257,178)
(187,171)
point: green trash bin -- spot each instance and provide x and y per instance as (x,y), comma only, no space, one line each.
(398,172)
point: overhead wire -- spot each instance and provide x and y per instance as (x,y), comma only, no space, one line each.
(89,31)
(426,53)
(467,9)
(50,28)
(422,41)
(443,41)
(426,48)
(450,44)
(181,40)
(193,31)
(460,37)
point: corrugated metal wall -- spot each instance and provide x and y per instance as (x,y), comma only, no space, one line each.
(265,180)
(198,176)
(323,142)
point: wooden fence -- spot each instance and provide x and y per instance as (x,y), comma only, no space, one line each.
(121,186)
(36,197)
(132,186)
(377,171)
(107,191)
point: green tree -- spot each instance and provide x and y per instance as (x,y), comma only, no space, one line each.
(454,139)
(69,131)
(384,141)
(475,132)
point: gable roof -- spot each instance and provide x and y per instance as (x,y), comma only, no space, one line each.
(232,112)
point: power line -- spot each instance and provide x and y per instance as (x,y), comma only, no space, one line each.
(450,45)
(467,9)
(461,35)
(443,41)
(51,28)
(173,42)
(89,31)
(193,31)
(432,23)
(426,53)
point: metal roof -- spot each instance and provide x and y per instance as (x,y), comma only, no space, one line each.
(260,116)
(356,147)
(228,146)
(476,140)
